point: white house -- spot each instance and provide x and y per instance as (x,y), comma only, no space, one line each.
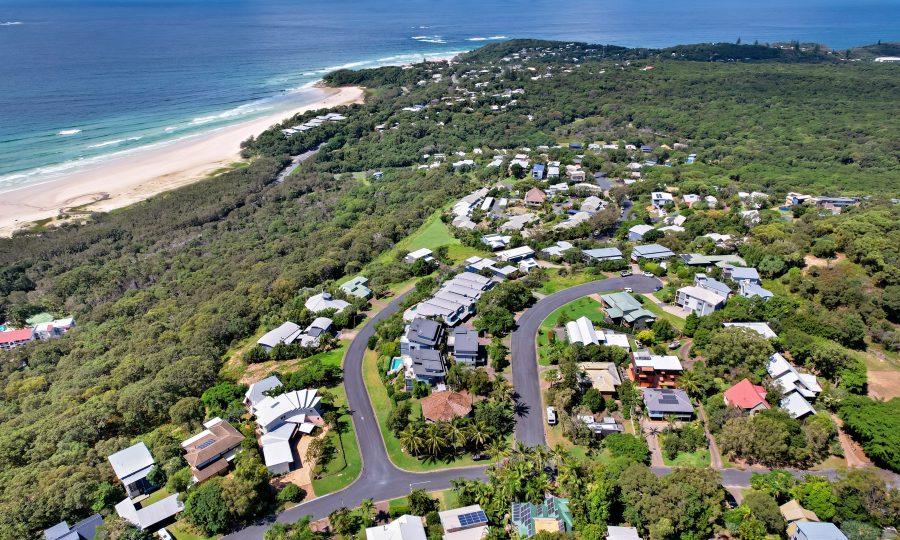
(279,418)
(424,253)
(322,301)
(661,198)
(405,527)
(698,300)
(582,331)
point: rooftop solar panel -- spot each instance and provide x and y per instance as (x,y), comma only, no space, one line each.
(472,518)
(204,444)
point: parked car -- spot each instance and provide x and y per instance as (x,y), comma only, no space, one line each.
(625,273)
(551,416)
(648,274)
(674,345)
(629,290)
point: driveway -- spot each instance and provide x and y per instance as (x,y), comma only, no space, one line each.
(530,423)
(379,478)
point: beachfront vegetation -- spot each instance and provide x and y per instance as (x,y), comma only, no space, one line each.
(163,290)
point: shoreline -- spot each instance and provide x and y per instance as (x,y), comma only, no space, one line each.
(142,173)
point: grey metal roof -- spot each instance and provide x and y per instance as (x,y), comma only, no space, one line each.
(132,463)
(667,400)
(465,341)
(423,331)
(256,392)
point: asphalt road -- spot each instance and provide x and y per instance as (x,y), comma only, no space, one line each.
(530,423)
(379,479)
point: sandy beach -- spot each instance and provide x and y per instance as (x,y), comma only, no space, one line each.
(135,176)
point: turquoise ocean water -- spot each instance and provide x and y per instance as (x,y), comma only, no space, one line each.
(83,79)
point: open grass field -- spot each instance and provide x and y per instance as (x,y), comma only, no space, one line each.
(557,282)
(584,306)
(699,458)
(382,405)
(433,234)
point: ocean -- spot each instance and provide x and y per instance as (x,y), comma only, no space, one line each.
(85,79)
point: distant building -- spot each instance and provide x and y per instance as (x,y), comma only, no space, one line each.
(660,199)
(797,388)
(622,533)
(698,300)
(714,285)
(257,391)
(557,249)
(10,339)
(279,418)
(535,197)
(421,334)
(324,300)
(653,252)
(465,346)
(132,465)
(285,334)
(537,172)
(760,328)
(791,511)
(603,427)
(636,233)
(603,254)
(651,370)
(662,403)
(424,253)
(515,255)
(551,516)
(603,376)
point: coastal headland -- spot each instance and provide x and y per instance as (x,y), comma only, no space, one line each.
(137,175)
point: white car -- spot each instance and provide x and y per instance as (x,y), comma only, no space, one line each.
(629,290)
(648,274)
(551,416)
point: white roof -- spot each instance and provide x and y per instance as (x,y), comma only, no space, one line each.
(148,516)
(405,527)
(778,365)
(286,333)
(641,229)
(760,328)
(277,453)
(622,533)
(323,301)
(661,195)
(667,362)
(519,252)
(419,253)
(582,331)
(796,406)
(288,404)
(255,392)
(132,462)
(706,295)
(617,340)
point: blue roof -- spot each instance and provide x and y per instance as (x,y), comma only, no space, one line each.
(538,167)
(814,530)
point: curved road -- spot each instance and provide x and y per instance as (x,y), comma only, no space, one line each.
(530,424)
(379,478)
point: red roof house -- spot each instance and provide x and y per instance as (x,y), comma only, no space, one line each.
(747,396)
(535,197)
(14,338)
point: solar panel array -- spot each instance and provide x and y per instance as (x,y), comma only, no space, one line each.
(472,518)
(521,512)
(204,444)
(669,399)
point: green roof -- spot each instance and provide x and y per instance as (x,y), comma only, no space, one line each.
(40,318)
(622,300)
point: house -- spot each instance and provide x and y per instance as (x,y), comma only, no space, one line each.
(652,371)
(322,301)
(424,254)
(796,388)
(209,452)
(592,204)
(279,418)
(791,511)
(446,405)
(698,300)
(662,403)
(421,333)
(696,259)
(424,365)
(465,346)
(622,533)
(551,516)
(660,199)
(603,254)
(637,232)
(477,264)
(454,301)
(671,229)
(153,516)
(574,220)
(405,527)
(557,249)
(535,197)
(616,340)
(537,172)
(747,396)
(796,405)
(132,465)
(516,254)
(621,307)
(466,523)
(603,427)
(496,241)
(705,282)
(286,334)
(85,529)
(463,164)
(741,274)
(653,252)
(582,331)
(357,287)
(11,339)
(319,328)
(749,289)
(518,222)
(814,530)
(690,198)
(554,189)
(257,391)
(54,328)
(604,376)
(575,174)
(760,328)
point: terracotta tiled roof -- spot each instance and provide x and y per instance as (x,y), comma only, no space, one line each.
(12,336)
(535,195)
(746,395)
(446,405)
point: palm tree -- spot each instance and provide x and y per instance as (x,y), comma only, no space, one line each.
(411,439)
(478,433)
(367,510)
(434,440)
(456,436)
(498,448)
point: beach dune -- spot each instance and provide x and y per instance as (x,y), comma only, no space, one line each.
(138,175)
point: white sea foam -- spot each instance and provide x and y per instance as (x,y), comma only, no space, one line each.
(11,23)
(67,132)
(429,39)
(115,142)
(489,38)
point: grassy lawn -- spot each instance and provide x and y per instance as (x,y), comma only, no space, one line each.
(677,322)
(557,282)
(584,306)
(381,404)
(447,498)
(346,465)
(699,458)
(180,530)
(156,496)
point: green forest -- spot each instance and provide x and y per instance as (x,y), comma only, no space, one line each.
(164,289)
